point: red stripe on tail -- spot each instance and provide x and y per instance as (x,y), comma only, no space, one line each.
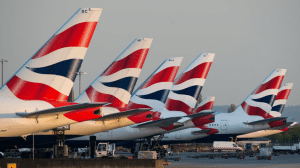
(283,95)
(133,60)
(251,110)
(206,106)
(166,75)
(176,105)
(272,84)
(200,71)
(96,96)
(33,91)
(78,35)
(132,105)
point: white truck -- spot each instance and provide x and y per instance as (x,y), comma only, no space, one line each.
(225,146)
(286,149)
(105,150)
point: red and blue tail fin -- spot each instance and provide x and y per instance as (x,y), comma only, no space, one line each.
(50,73)
(206,104)
(154,91)
(260,101)
(187,87)
(116,83)
(281,98)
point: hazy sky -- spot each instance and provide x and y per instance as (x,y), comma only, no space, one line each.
(250,38)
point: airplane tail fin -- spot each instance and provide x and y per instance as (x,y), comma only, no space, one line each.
(154,91)
(281,98)
(260,101)
(206,104)
(187,87)
(50,73)
(116,83)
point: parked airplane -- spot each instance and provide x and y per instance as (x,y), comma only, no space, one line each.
(184,94)
(276,111)
(162,77)
(115,85)
(34,99)
(252,115)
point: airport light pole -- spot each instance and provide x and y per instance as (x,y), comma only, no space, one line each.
(2,61)
(80,73)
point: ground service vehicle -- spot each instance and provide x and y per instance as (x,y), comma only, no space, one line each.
(265,153)
(105,150)
(286,149)
(225,146)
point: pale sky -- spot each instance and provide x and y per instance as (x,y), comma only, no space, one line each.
(250,38)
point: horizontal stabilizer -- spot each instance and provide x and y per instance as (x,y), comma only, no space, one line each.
(60,110)
(201,132)
(201,114)
(123,114)
(159,123)
(265,121)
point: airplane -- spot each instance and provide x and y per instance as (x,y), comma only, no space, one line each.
(34,98)
(276,111)
(158,83)
(185,91)
(252,115)
(163,76)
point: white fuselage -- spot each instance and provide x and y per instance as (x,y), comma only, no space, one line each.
(13,125)
(225,123)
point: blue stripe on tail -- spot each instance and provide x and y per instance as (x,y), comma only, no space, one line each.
(66,68)
(193,91)
(127,83)
(160,95)
(267,99)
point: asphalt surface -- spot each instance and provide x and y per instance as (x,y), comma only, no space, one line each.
(281,161)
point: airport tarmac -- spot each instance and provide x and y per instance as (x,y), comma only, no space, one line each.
(280,161)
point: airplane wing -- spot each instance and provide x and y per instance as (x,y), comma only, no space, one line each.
(168,121)
(123,114)
(265,121)
(201,132)
(159,123)
(60,110)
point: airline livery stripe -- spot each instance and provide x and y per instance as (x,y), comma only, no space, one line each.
(176,105)
(67,68)
(192,91)
(33,91)
(132,105)
(96,96)
(127,83)
(128,72)
(283,95)
(160,95)
(83,114)
(251,110)
(166,75)
(139,118)
(267,99)
(199,71)
(206,106)
(131,61)
(59,55)
(278,108)
(78,35)
(272,84)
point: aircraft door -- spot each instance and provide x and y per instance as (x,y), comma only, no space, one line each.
(224,125)
(178,135)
